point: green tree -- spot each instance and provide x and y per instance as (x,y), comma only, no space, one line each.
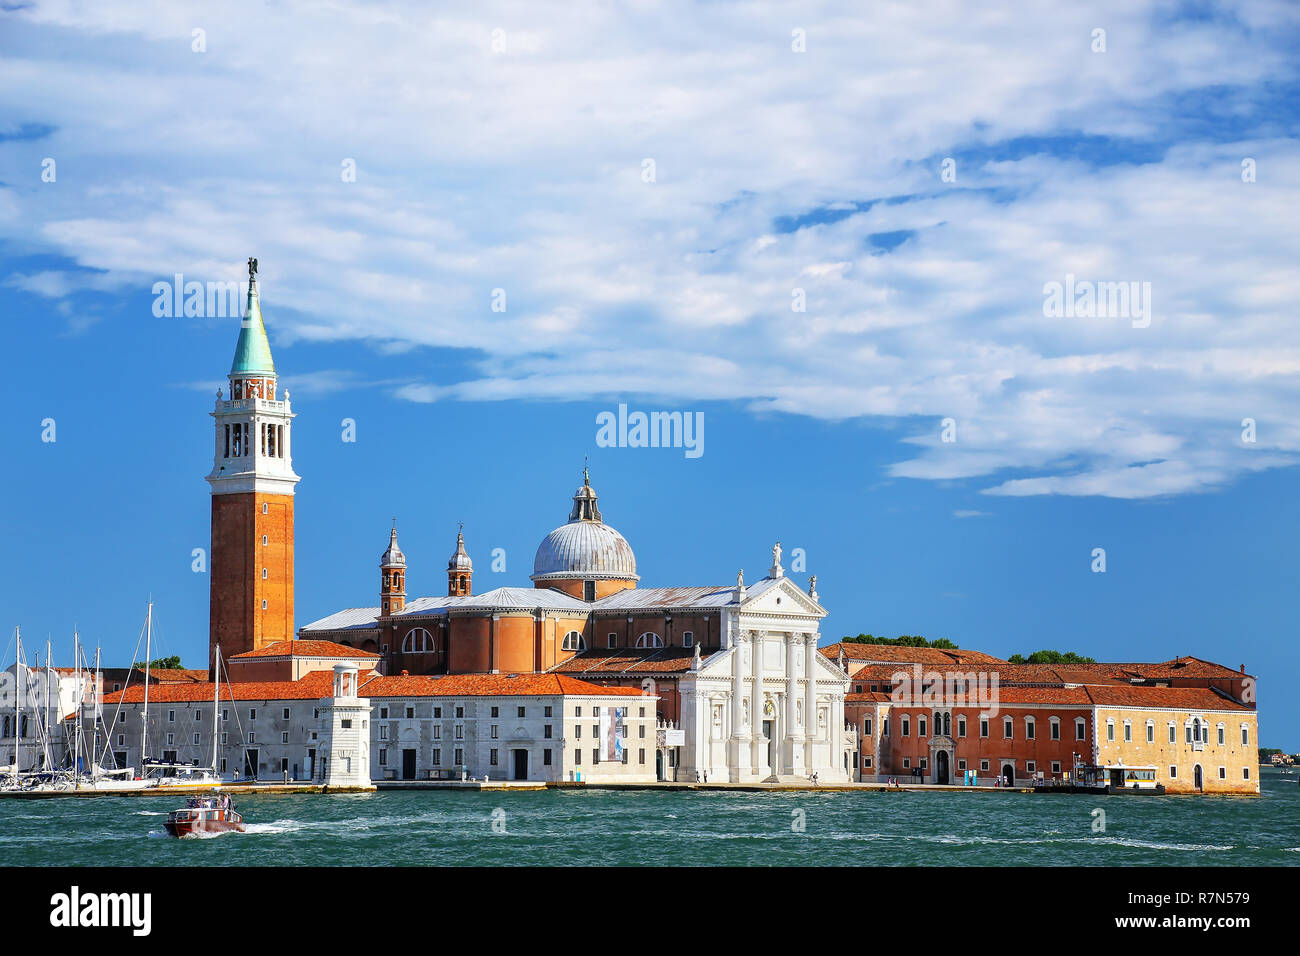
(1050,657)
(172,663)
(904,640)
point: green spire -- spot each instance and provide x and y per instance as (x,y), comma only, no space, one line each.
(253,353)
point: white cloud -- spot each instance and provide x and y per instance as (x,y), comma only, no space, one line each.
(523,171)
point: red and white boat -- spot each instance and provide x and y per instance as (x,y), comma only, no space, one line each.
(203,815)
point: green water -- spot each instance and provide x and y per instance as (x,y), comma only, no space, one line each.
(671,827)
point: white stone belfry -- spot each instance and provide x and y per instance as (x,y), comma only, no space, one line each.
(345,719)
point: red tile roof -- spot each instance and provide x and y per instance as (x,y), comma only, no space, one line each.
(895,654)
(664,660)
(1168,698)
(304,649)
(488,685)
(314,685)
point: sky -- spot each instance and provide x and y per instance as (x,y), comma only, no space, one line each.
(831,230)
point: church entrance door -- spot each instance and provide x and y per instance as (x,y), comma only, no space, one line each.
(941,767)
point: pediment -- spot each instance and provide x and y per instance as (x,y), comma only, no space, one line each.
(782,597)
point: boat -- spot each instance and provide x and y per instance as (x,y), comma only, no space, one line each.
(1117,778)
(203,815)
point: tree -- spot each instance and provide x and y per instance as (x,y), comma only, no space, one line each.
(1050,657)
(904,640)
(172,663)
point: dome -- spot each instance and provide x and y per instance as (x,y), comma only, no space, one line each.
(393,557)
(586,547)
(460,560)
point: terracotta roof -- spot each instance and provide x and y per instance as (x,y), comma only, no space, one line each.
(314,685)
(488,685)
(867,697)
(663,660)
(304,649)
(178,675)
(895,654)
(1168,698)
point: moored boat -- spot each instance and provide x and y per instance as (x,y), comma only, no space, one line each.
(203,815)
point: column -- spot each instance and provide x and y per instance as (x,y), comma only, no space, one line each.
(809,700)
(789,745)
(757,644)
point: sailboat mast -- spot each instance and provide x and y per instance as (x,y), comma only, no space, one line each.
(76,714)
(144,718)
(49,736)
(18,680)
(216,701)
(99,720)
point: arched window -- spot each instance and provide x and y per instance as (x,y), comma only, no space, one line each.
(417,641)
(649,639)
(573,642)
(1030,733)
(1054,723)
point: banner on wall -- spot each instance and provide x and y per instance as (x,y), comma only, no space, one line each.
(611,733)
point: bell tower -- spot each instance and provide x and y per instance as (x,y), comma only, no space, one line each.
(392,571)
(252,482)
(460,569)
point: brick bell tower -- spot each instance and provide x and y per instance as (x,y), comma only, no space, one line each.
(252,483)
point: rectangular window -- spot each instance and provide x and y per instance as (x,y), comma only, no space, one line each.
(286,713)
(252,713)
(866,763)
(460,731)
(546,712)
(1079,730)
(1029,730)
(612,639)
(1151,733)
(546,731)
(346,724)
(1008,728)
(1110,731)
(906,728)
(907,763)
(198,715)
(577,711)
(1223,773)
(1128,732)
(437,757)
(171,739)
(460,712)
(1221,736)
(521,712)
(1172,732)
(920,726)
(1245,773)
(688,640)
(383,731)
(492,756)
(196,739)
(984,728)
(171,715)
(1056,730)
(884,726)
(1056,766)
(866,727)
(410,713)
(577,731)
(577,756)
(984,765)
(437,731)
(961,726)
(641,755)
(383,713)
(383,756)
(496,711)
(595,755)
(1030,766)
(1173,773)
(437,712)
(546,757)
(1245,736)
(494,731)
(961,765)
(460,757)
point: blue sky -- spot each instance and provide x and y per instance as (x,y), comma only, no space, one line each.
(516,160)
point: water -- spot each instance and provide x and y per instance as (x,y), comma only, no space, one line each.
(637,828)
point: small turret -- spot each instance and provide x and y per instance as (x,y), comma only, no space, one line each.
(392,570)
(460,569)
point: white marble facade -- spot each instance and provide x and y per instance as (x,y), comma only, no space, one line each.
(768,706)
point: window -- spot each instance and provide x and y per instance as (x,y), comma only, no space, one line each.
(866,727)
(577,756)
(1151,731)
(383,731)
(595,755)
(907,729)
(649,639)
(546,731)
(1008,728)
(1056,766)
(1222,735)
(198,715)
(264,507)
(866,763)
(1080,733)
(1223,773)
(171,715)
(252,737)
(984,727)
(346,724)
(492,754)
(688,638)
(252,713)
(1054,725)
(884,726)
(417,641)
(1173,773)
(577,711)
(383,713)
(984,765)
(1110,729)
(460,712)
(1173,731)
(612,639)
(907,763)
(171,739)
(460,731)
(263,604)
(264,541)
(1029,728)
(264,574)
(496,711)
(1128,732)
(1030,766)
(546,757)
(494,731)
(577,731)
(573,641)
(1245,773)
(437,757)
(961,727)
(383,756)
(1245,735)
(196,739)
(920,726)
(589,590)
(437,731)
(286,713)
(437,712)
(284,737)
(460,757)
(520,711)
